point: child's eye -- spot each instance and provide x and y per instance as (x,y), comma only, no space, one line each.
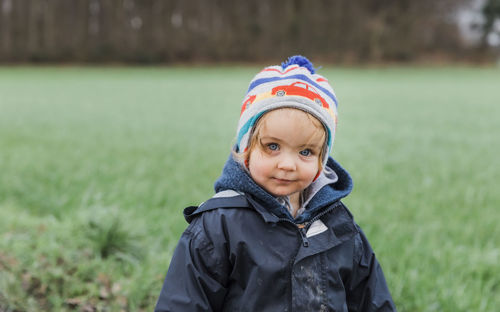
(306,152)
(273,146)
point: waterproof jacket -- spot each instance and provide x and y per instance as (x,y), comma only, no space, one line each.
(239,255)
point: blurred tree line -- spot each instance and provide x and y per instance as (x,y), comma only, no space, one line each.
(149,31)
(491,26)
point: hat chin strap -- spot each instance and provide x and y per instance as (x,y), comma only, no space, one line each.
(317,174)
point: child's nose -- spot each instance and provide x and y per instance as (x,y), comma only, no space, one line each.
(286,162)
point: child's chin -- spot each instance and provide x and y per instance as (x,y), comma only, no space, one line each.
(280,193)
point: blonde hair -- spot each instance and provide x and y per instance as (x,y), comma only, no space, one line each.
(242,157)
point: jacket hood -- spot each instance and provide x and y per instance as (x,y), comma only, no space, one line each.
(235,177)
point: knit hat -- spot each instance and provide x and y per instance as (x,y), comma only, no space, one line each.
(294,84)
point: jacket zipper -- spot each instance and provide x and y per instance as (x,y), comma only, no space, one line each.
(302,228)
(317,217)
(303,235)
(305,243)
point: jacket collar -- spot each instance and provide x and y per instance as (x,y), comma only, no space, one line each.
(229,199)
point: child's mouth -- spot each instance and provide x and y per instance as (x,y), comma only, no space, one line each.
(284,181)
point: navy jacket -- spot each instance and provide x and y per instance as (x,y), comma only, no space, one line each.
(243,252)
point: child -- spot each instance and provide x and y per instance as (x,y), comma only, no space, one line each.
(275,236)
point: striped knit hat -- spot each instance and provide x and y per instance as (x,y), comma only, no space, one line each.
(294,84)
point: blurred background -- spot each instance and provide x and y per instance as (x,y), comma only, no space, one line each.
(117,114)
(169,31)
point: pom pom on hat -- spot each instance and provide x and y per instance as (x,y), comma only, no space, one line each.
(299,60)
(294,84)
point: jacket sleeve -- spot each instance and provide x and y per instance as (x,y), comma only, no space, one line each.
(195,279)
(368,289)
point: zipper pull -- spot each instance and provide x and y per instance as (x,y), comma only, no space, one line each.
(305,241)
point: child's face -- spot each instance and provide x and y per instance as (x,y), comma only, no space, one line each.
(285,160)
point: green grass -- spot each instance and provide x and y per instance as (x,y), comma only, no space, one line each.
(97,164)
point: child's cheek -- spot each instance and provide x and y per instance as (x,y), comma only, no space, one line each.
(260,167)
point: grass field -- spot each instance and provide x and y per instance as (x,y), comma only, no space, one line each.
(97,164)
